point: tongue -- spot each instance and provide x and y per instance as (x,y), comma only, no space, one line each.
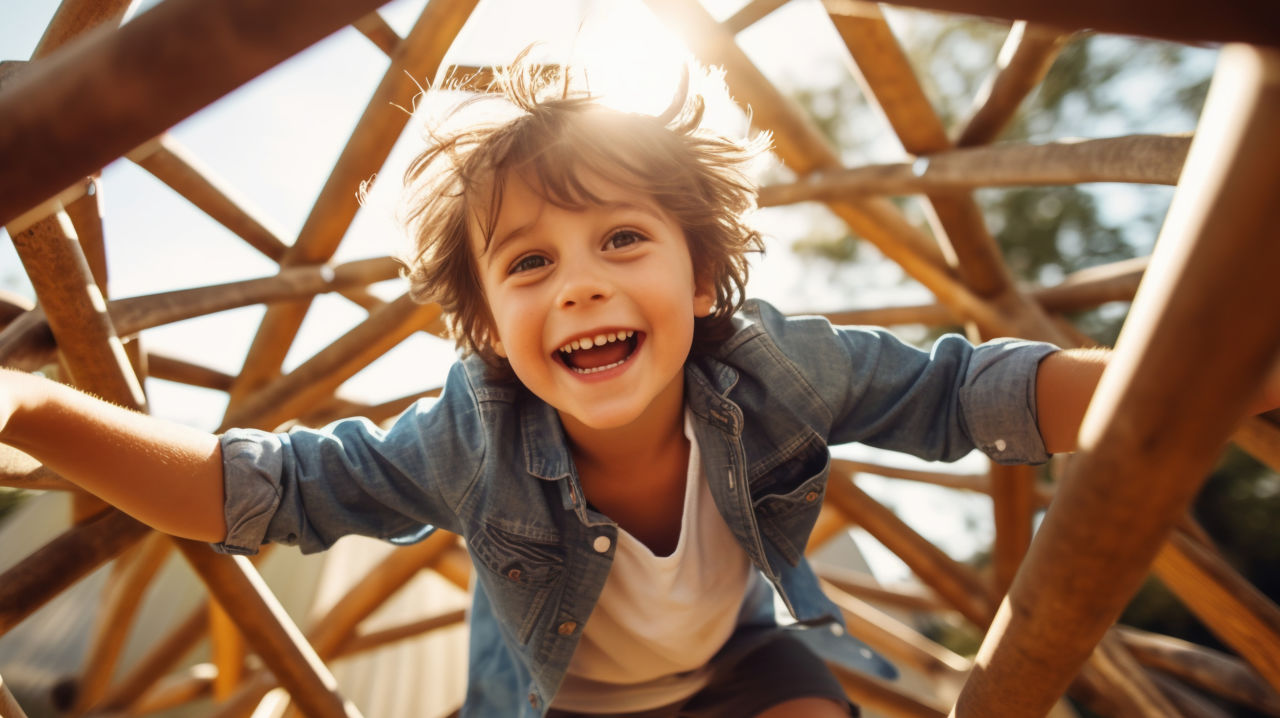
(598,356)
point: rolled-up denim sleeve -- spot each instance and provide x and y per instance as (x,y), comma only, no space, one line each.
(310,487)
(998,400)
(938,404)
(943,403)
(251,469)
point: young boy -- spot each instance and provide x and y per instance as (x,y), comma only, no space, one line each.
(634,455)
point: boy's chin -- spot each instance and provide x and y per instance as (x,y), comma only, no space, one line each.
(602,421)
(601,418)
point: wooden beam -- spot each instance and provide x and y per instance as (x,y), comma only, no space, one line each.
(74,18)
(882,696)
(1142,159)
(173,164)
(193,683)
(27,340)
(1123,685)
(1023,62)
(896,640)
(364,642)
(185,372)
(1261,438)
(117,609)
(19,470)
(416,60)
(161,658)
(317,378)
(76,310)
(750,14)
(228,651)
(1088,288)
(339,408)
(1014,504)
(863,586)
(1239,614)
(73,112)
(1209,670)
(1145,450)
(968,482)
(234,583)
(1188,702)
(374,27)
(135,314)
(885,75)
(9,707)
(1180,20)
(887,78)
(800,145)
(51,569)
(86,217)
(958,585)
(331,631)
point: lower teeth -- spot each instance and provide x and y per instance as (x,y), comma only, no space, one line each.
(595,369)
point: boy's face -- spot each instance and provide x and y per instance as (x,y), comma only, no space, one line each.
(593,308)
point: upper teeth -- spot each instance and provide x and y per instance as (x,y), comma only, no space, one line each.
(597,340)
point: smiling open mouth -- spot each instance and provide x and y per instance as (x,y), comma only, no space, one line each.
(600,353)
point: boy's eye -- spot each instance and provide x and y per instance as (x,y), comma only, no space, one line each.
(623,238)
(527,263)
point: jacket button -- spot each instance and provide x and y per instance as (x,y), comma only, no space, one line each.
(514,574)
(567,628)
(811,496)
(601,544)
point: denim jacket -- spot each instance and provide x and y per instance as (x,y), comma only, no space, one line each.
(490,462)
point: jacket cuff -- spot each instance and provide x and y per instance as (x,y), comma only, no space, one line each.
(999,400)
(251,469)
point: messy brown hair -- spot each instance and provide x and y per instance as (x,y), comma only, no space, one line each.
(557,135)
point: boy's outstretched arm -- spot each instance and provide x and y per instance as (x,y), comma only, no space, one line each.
(1065,384)
(166,475)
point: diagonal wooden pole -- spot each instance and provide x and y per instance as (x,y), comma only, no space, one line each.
(9,707)
(415,61)
(1022,63)
(1203,331)
(1182,20)
(68,115)
(239,589)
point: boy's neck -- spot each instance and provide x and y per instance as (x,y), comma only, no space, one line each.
(657,434)
(636,474)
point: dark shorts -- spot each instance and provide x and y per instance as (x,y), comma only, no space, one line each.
(779,670)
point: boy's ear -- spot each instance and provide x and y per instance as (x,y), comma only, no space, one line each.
(704,300)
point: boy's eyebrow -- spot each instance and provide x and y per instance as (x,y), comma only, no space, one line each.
(524,229)
(497,243)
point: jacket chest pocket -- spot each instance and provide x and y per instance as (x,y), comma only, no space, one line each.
(786,518)
(522,567)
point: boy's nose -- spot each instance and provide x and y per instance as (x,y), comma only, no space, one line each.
(583,288)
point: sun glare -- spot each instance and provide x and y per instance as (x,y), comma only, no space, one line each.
(634,63)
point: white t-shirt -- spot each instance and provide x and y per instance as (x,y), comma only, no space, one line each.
(660,619)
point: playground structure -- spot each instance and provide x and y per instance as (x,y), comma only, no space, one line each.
(1202,331)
